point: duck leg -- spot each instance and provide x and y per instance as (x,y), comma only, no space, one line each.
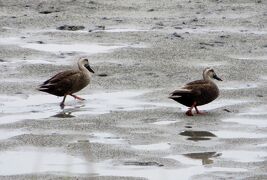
(189,112)
(198,112)
(62,103)
(77,97)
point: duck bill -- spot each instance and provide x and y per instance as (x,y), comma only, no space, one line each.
(89,68)
(217,78)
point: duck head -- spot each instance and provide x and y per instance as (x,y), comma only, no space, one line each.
(209,73)
(84,62)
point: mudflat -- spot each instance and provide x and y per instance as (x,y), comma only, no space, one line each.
(127,128)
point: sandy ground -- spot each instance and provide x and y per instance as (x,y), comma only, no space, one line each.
(127,128)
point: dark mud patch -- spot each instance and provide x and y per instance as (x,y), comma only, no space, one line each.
(70,28)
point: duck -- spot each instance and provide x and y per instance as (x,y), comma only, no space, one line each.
(68,82)
(197,93)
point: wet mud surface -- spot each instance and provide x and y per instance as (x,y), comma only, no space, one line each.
(127,128)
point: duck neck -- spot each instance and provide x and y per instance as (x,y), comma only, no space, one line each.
(81,67)
(207,78)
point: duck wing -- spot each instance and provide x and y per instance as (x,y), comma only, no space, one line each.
(60,76)
(61,83)
(184,92)
(192,88)
(196,83)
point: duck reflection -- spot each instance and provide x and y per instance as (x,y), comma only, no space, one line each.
(64,114)
(205,157)
(198,135)
(68,113)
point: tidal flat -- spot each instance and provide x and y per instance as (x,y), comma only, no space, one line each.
(127,128)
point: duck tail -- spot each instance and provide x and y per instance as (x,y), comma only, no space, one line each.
(45,87)
(178,93)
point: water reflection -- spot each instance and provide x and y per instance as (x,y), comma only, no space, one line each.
(64,114)
(198,135)
(141,163)
(68,112)
(205,157)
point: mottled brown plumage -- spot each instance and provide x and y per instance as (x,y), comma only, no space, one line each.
(68,82)
(198,92)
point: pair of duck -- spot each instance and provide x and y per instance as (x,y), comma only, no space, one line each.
(193,94)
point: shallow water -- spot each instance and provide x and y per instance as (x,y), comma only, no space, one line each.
(249,57)
(238,134)
(198,135)
(258,110)
(22,107)
(164,122)
(121,30)
(235,30)
(234,85)
(9,133)
(39,160)
(105,138)
(244,156)
(108,29)
(86,48)
(63,47)
(50,160)
(153,147)
(219,103)
(260,122)
(159,173)
(201,158)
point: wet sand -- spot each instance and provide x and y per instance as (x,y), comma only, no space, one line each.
(127,128)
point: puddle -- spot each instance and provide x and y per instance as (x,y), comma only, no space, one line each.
(34,160)
(64,114)
(259,110)
(110,30)
(49,160)
(22,107)
(6,134)
(206,30)
(262,145)
(164,122)
(248,57)
(236,134)
(37,61)
(138,163)
(233,85)
(105,138)
(159,173)
(119,30)
(244,156)
(87,48)
(153,147)
(263,77)
(202,158)
(219,103)
(198,135)
(248,121)
(211,64)
(54,48)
